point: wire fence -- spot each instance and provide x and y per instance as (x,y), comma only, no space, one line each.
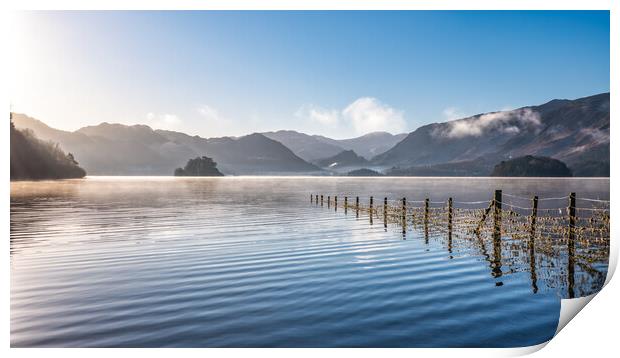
(561,244)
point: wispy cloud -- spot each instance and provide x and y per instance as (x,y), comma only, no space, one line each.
(511,122)
(452,113)
(163,121)
(326,117)
(364,115)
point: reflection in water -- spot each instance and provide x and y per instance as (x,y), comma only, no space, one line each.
(519,238)
(220,262)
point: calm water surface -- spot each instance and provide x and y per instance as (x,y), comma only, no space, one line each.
(249,262)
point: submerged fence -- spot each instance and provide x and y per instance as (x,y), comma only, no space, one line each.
(551,237)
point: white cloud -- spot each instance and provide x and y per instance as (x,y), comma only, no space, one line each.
(511,122)
(364,115)
(163,121)
(367,114)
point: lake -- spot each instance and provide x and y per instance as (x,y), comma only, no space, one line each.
(251,262)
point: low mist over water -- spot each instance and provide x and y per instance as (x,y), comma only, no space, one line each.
(251,262)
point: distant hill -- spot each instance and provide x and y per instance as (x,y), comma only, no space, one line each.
(574,131)
(478,167)
(117,149)
(530,166)
(346,158)
(368,145)
(364,172)
(308,147)
(316,147)
(32,158)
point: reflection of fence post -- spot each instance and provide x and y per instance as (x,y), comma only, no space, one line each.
(336,203)
(404,218)
(497,220)
(385,212)
(571,244)
(370,210)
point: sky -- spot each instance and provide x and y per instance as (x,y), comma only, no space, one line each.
(335,73)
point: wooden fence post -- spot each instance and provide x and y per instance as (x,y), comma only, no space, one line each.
(571,244)
(426,215)
(385,212)
(321,199)
(497,220)
(426,209)
(449,218)
(404,218)
(346,203)
(329,201)
(534,214)
(531,244)
(336,203)
(311,198)
(370,210)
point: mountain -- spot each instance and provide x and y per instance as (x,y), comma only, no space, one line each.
(346,158)
(314,147)
(530,166)
(308,147)
(368,145)
(574,131)
(117,149)
(32,158)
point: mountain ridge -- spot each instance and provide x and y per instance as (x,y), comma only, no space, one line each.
(568,130)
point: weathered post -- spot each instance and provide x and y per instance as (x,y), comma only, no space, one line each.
(571,244)
(531,244)
(370,210)
(336,203)
(385,212)
(310,198)
(426,210)
(404,216)
(321,199)
(345,205)
(316,199)
(497,220)
(450,222)
(497,238)
(329,200)
(426,215)
(534,214)
(357,206)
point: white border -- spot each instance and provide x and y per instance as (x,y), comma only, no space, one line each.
(591,334)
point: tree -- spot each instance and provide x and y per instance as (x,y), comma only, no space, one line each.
(199,166)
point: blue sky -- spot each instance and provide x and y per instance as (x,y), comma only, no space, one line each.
(338,73)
